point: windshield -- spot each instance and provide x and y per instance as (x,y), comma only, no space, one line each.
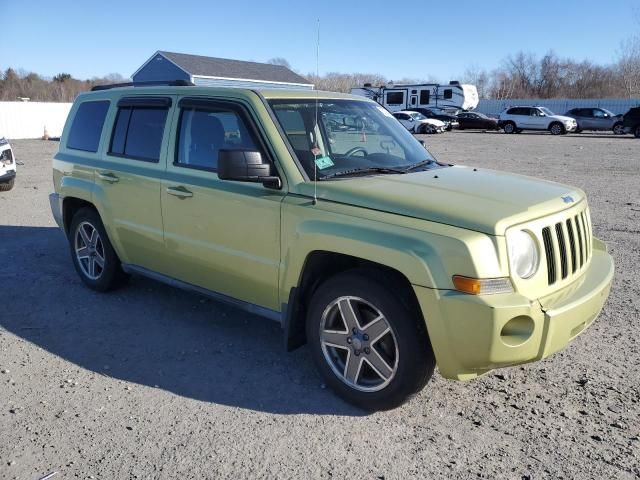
(418,116)
(547,112)
(350,135)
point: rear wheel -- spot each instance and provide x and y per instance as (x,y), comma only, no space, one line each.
(509,127)
(6,186)
(92,253)
(370,348)
(618,129)
(556,128)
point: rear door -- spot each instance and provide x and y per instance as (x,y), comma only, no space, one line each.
(128,178)
(220,235)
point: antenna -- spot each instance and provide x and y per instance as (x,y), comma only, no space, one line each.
(316,148)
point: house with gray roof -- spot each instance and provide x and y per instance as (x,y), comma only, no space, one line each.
(218,72)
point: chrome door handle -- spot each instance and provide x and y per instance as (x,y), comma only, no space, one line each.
(108,177)
(179,192)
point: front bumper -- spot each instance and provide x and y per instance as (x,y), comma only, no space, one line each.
(7,176)
(571,127)
(472,335)
(55,201)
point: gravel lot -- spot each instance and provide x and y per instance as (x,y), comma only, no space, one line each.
(153,382)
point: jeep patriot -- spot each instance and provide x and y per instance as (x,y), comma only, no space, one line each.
(320,211)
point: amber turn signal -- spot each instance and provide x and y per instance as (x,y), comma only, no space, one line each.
(480,286)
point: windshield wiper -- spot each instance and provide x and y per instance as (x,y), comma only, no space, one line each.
(358,171)
(418,164)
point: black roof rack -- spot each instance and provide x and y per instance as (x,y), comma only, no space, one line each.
(169,83)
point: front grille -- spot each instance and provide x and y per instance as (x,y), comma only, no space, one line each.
(567,247)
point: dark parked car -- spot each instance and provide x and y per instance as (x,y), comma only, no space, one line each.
(448,118)
(631,122)
(470,120)
(596,119)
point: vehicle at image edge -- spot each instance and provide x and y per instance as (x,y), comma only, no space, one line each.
(517,119)
(388,264)
(7,166)
(595,118)
(476,120)
(417,123)
(631,121)
(450,120)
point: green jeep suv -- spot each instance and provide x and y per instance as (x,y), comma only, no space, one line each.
(320,211)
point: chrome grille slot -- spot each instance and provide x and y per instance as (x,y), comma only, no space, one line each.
(551,259)
(563,251)
(579,230)
(572,246)
(568,245)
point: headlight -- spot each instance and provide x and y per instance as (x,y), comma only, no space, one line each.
(523,253)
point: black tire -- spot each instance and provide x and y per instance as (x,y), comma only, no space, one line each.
(509,127)
(556,128)
(6,186)
(414,362)
(618,128)
(636,131)
(111,275)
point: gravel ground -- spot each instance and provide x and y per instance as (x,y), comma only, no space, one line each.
(153,382)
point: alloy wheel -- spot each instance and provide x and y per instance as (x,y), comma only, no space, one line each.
(89,250)
(359,344)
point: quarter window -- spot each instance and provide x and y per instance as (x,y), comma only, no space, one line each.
(86,128)
(138,132)
(204,132)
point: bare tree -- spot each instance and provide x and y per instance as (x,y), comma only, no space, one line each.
(629,66)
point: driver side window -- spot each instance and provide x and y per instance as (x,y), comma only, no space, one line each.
(203,133)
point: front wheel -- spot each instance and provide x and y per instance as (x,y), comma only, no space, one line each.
(618,129)
(556,128)
(6,186)
(509,127)
(370,348)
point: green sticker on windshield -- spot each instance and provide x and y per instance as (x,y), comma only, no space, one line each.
(324,162)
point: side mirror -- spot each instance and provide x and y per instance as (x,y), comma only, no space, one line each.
(412,119)
(246,166)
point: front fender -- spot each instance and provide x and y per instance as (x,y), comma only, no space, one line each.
(428,254)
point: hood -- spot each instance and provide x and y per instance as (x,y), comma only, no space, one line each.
(433,121)
(563,118)
(477,199)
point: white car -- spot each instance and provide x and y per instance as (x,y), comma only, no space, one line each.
(417,123)
(7,166)
(516,119)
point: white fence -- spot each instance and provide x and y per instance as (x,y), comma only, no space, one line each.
(29,119)
(558,105)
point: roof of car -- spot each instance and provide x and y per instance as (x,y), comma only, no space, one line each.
(269,94)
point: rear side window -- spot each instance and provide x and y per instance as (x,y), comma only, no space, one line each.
(86,128)
(138,131)
(395,98)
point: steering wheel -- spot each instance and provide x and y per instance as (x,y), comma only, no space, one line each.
(355,150)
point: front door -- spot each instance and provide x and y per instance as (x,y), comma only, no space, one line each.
(220,235)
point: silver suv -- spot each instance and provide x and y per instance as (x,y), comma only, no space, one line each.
(596,119)
(516,119)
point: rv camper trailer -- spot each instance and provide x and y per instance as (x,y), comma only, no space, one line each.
(428,95)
